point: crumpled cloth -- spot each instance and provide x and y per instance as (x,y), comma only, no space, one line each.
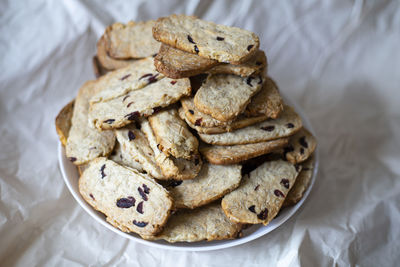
(339,60)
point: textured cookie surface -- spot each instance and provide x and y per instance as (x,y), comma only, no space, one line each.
(260,196)
(175,63)
(133,40)
(205,223)
(237,153)
(171,167)
(63,121)
(300,147)
(108,62)
(207,39)
(172,134)
(122,110)
(131,201)
(254,65)
(85,143)
(124,159)
(225,96)
(135,146)
(288,123)
(302,183)
(213,182)
(266,102)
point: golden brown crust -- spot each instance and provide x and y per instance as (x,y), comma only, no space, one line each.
(63,121)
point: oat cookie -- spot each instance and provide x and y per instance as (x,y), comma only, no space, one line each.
(175,63)
(302,183)
(207,39)
(135,146)
(98,69)
(133,40)
(63,122)
(255,65)
(124,109)
(172,134)
(131,201)
(108,62)
(225,96)
(300,147)
(171,167)
(85,143)
(260,196)
(267,101)
(288,123)
(238,153)
(204,223)
(213,182)
(124,159)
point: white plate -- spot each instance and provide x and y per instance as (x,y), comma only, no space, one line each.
(71,176)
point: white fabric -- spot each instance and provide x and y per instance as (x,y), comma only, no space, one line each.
(340,60)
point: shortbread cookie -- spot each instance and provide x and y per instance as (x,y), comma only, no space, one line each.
(171,167)
(255,65)
(119,82)
(85,143)
(172,134)
(175,63)
(108,62)
(131,201)
(97,68)
(300,147)
(207,39)
(266,102)
(260,196)
(288,123)
(124,109)
(238,153)
(63,122)
(205,223)
(133,40)
(124,159)
(302,183)
(135,146)
(213,182)
(225,96)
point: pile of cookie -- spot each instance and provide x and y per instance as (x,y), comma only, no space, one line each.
(183,136)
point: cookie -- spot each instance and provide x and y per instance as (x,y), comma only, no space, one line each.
(175,63)
(300,147)
(205,223)
(302,183)
(108,62)
(63,122)
(131,201)
(85,143)
(288,123)
(124,159)
(171,167)
(97,68)
(255,65)
(135,146)
(225,96)
(206,39)
(124,109)
(172,134)
(213,182)
(238,153)
(133,40)
(266,102)
(260,196)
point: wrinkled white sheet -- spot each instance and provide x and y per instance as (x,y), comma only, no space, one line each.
(340,60)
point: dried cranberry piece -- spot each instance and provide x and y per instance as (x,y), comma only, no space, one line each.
(252,208)
(109,121)
(220,38)
(301,151)
(190,39)
(146,75)
(131,135)
(132,116)
(248,81)
(152,79)
(255,188)
(173,82)
(129,104)
(198,122)
(263,214)
(278,193)
(191,111)
(125,97)
(102,171)
(196,49)
(142,194)
(91,195)
(303,142)
(126,203)
(250,47)
(146,189)
(139,208)
(174,183)
(139,224)
(126,76)
(285,183)
(269,128)
(290,125)
(72,159)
